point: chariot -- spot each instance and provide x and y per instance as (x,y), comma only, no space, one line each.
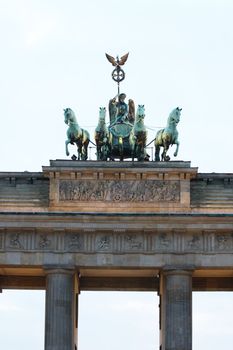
(121,140)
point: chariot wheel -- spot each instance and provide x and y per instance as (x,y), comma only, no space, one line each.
(118,74)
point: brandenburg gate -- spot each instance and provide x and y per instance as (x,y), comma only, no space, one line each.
(102,225)
(131,226)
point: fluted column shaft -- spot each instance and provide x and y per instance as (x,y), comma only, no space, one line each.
(176,310)
(59,310)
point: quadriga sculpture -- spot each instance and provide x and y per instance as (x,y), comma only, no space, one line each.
(101,136)
(76,135)
(138,135)
(168,136)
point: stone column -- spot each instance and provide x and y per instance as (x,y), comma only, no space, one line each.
(60,311)
(176,310)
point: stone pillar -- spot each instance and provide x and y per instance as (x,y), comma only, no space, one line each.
(60,313)
(176,310)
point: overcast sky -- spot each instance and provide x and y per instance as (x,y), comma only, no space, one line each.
(53,57)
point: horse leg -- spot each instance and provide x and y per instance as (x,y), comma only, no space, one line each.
(79,150)
(177,148)
(136,150)
(140,153)
(165,149)
(97,149)
(84,152)
(163,155)
(104,152)
(157,151)
(133,148)
(133,153)
(66,144)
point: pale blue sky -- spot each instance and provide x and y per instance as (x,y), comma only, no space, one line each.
(53,56)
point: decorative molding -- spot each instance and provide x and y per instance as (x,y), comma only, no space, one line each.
(2,236)
(160,241)
(119,190)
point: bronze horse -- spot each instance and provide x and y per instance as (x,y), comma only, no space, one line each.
(138,136)
(76,135)
(168,136)
(101,136)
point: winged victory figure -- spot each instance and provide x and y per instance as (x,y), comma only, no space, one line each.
(116,61)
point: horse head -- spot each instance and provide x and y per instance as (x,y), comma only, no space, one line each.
(102,114)
(174,116)
(69,116)
(140,115)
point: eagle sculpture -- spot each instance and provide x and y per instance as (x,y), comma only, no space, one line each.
(116,61)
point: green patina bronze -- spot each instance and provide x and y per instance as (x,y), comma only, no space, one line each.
(138,136)
(126,135)
(122,139)
(168,136)
(102,136)
(76,135)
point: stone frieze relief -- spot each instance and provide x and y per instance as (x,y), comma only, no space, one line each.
(119,190)
(120,242)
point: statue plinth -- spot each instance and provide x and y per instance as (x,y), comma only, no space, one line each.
(115,187)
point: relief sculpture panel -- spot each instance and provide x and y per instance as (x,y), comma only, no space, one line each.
(133,242)
(15,241)
(119,191)
(104,242)
(124,242)
(74,242)
(223,242)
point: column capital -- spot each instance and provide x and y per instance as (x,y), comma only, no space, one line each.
(59,269)
(177,269)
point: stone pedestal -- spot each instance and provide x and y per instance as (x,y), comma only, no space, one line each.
(176,310)
(119,187)
(60,309)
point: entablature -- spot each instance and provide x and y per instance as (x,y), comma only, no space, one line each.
(117,187)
